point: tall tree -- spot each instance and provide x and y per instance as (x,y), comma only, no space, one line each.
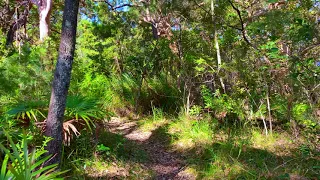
(61,79)
(44,9)
(15,15)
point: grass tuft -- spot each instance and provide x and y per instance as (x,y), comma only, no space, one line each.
(189,133)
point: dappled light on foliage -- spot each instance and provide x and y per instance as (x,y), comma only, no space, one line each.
(140,89)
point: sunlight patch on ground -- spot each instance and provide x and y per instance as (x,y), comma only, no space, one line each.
(278,143)
(188,173)
(139,136)
(183,144)
(150,124)
(98,168)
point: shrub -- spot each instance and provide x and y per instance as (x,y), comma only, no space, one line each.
(25,165)
(303,115)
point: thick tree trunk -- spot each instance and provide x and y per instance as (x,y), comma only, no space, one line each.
(61,79)
(44,9)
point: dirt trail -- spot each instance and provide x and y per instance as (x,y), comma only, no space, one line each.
(164,163)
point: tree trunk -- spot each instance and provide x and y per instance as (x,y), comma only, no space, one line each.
(217,46)
(269,110)
(44,9)
(61,79)
(21,21)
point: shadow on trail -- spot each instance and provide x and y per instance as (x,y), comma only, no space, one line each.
(226,160)
(128,145)
(166,163)
(155,158)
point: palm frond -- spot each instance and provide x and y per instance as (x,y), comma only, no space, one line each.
(25,165)
(30,110)
(68,128)
(81,108)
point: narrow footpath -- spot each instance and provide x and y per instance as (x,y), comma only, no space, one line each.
(165,163)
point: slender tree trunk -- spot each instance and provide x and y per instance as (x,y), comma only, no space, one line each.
(264,124)
(61,79)
(188,101)
(269,110)
(20,21)
(139,90)
(217,46)
(219,60)
(44,9)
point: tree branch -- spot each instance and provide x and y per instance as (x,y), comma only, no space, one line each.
(17,24)
(119,6)
(36,2)
(114,7)
(305,50)
(200,6)
(243,31)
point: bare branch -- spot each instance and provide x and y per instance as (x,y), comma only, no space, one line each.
(241,22)
(36,2)
(305,50)
(114,7)
(17,24)
(119,6)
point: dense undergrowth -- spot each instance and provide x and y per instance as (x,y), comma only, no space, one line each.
(221,137)
(210,151)
(256,115)
(243,152)
(232,146)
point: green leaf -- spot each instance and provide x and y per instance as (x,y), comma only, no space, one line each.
(4,174)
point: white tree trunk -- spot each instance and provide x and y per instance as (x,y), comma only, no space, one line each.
(269,111)
(217,46)
(44,14)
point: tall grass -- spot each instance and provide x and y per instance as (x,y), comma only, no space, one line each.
(157,119)
(119,91)
(191,134)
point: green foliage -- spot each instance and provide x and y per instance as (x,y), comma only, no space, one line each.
(218,102)
(195,110)
(279,108)
(273,50)
(78,107)
(222,103)
(302,114)
(32,110)
(157,114)
(121,69)
(161,92)
(25,165)
(126,87)
(191,134)
(103,149)
(23,74)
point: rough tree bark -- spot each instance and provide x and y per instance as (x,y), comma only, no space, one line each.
(61,79)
